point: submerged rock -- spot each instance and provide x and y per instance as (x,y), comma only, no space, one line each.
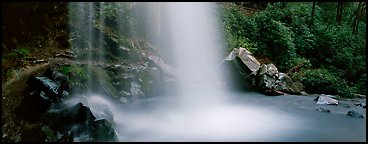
(355,114)
(322,109)
(361,104)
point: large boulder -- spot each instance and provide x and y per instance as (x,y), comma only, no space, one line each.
(266,78)
(243,59)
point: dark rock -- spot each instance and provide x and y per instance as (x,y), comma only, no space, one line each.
(55,75)
(103,131)
(272,92)
(322,109)
(360,104)
(34,105)
(65,118)
(45,84)
(355,114)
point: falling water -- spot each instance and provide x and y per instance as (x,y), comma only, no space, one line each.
(201,110)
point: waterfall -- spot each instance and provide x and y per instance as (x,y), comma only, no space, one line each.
(190,38)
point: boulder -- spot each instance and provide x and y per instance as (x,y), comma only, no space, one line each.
(246,57)
(103,131)
(289,84)
(322,99)
(47,85)
(243,60)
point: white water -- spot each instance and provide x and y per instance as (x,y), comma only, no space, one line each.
(202,110)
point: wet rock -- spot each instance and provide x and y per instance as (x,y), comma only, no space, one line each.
(322,99)
(101,81)
(55,75)
(63,119)
(136,91)
(124,100)
(322,109)
(361,104)
(355,114)
(47,85)
(151,80)
(102,111)
(103,131)
(165,68)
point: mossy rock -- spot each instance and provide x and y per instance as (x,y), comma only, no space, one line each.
(151,80)
(101,81)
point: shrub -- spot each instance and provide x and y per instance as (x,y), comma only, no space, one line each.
(323,81)
(239,29)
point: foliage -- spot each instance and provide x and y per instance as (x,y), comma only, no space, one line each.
(323,51)
(78,75)
(239,29)
(323,81)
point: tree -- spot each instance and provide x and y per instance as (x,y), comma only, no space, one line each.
(339,11)
(358,15)
(313,12)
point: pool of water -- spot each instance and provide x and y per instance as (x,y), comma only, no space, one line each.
(245,116)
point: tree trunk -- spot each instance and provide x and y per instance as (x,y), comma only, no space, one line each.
(339,12)
(313,11)
(359,12)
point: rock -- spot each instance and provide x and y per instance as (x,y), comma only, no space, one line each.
(322,109)
(273,92)
(325,100)
(355,114)
(103,131)
(303,93)
(289,84)
(165,68)
(55,75)
(101,81)
(80,114)
(136,91)
(265,82)
(45,84)
(124,100)
(62,120)
(246,57)
(102,111)
(243,59)
(361,104)
(272,71)
(151,80)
